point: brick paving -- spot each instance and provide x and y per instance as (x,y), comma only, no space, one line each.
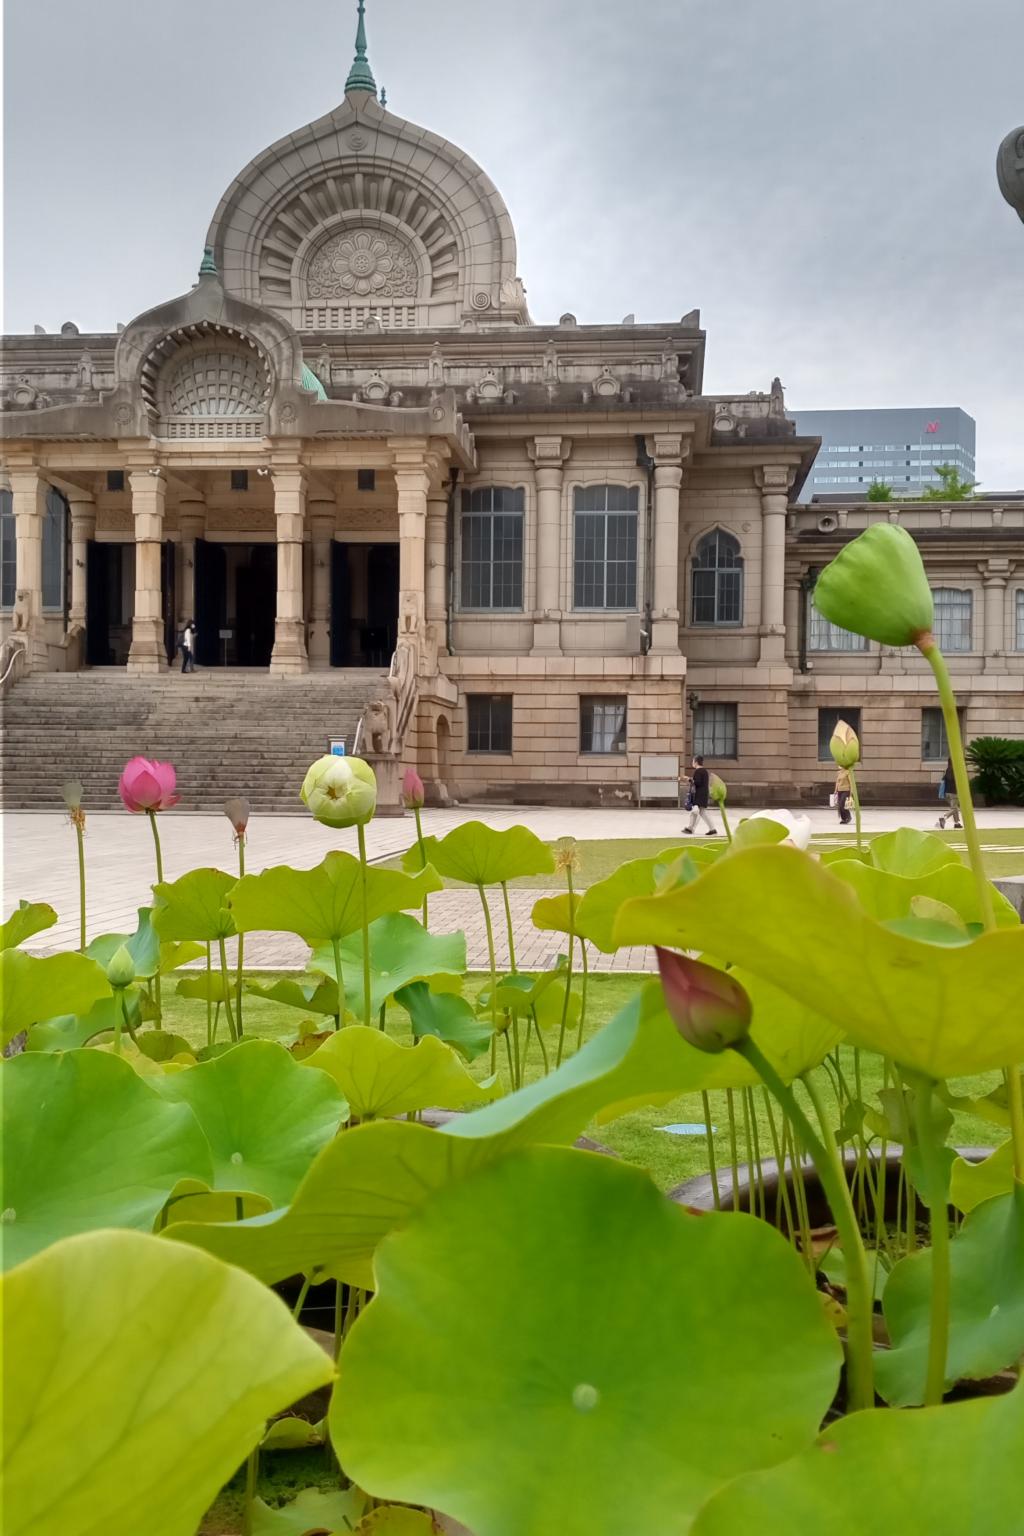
(39,864)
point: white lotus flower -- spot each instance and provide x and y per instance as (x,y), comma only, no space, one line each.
(798,827)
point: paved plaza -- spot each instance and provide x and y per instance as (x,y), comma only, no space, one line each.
(39,864)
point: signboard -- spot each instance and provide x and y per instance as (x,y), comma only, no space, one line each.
(225,634)
(337,749)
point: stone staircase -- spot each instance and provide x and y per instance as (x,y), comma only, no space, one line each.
(227,732)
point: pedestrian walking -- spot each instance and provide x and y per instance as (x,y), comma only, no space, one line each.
(188,647)
(841,796)
(698,798)
(947,792)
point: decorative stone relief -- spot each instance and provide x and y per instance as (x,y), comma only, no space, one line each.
(606,383)
(22,395)
(376,389)
(358,263)
(215,382)
(488,386)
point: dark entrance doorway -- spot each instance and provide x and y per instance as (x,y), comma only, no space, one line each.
(236,602)
(109,603)
(364,604)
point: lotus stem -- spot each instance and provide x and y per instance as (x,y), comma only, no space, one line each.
(80,836)
(225,981)
(725,822)
(568,973)
(859,1298)
(367,1010)
(241,941)
(940,671)
(730,1105)
(855,797)
(583,993)
(340,979)
(935,1183)
(494,978)
(423,853)
(748,1094)
(211,1032)
(543,1047)
(157,1001)
(782,1205)
(121,1016)
(508,925)
(710,1144)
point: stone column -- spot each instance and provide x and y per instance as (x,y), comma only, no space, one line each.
(28,501)
(791,614)
(664,600)
(437,567)
(412,483)
(549,455)
(191,526)
(289,653)
(148,652)
(774,481)
(322,521)
(995,576)
(83,531)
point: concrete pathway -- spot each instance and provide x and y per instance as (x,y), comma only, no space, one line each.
(39,864)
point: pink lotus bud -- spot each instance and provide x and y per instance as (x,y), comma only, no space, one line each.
(412,790)
(237,810)
(147,786)
(708,1008)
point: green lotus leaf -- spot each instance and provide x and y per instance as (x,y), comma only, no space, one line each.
(911,853)
(755,832)
(949,1471)
(194,907)
(88,1144)
(291,1434)
(38,987)
(174,955)
(447,1016)
(324,903)
(312,995)
(70,1031)
(192,1200)
(946,1011)
(971,1183)
(482,855)
(652,1402)
(207,986)
(396,1520)
(599,905)
(413,859)
(263,1115)
(138,1378)
(162,1045)
(889,897)
(28,918)
(380,1078)
(557,914)
(401,950)
(312,1513)
(143,945)
(986,1327)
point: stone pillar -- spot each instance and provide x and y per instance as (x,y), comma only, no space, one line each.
(83,531)
(322,521)
(289,653)
(549,455)
(437,567)
(791,616)
(148,651)
(28,501)
(191,526)
(412,483)
(664,600)
(774,481)
(995,575)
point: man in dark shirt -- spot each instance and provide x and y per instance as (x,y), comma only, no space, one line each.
(699,785)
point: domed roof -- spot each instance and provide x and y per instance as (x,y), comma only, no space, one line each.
(363,217)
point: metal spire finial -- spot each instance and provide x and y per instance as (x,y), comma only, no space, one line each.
(208,266)
(360,76)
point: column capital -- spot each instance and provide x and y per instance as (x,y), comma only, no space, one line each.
(289,475)
(668,475)
(549,452)
(26,480)
(774,479)
(995,572)
(670,448)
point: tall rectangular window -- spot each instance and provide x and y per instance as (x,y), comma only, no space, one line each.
(602,724)
(54,551)
(828,719)
(1019,618)
(8,552)
(604,546)
(491,547)
(714,730)
(489,722)
(823,636)
(934,741)
(954,612)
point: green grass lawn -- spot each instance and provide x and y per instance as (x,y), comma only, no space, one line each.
(635,1136)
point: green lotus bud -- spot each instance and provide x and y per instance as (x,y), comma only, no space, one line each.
(877,587)
(340,791)
(716,789)
(844,746)
(121,969)
(707,1006)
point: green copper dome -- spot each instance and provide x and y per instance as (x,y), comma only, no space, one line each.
(310,381)
(360,76)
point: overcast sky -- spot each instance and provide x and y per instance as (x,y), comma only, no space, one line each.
(816,176)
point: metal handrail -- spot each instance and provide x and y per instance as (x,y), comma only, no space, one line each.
(13,656)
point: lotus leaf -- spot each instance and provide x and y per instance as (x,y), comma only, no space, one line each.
(312,1513)
(505,1431)
(557,914)
(143,945)
(324,903)
(173,955)
(87,1144)
(971,1183)
(948,1471)
(413,859)
(986,1329)
(207,986)
(162,1045)
(194,907)
(381,1078)
(37,987)
(69,1031)
(945,1011)
(139,1376)
(888,896)
(911,853)
(28,918)
(191,1200)
(396,1520)
(317,995)
(401,950)
(450,1018)
(263,1115)
(482,855)
(599,906)
(754,832)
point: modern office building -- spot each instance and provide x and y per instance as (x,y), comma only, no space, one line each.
(903,448)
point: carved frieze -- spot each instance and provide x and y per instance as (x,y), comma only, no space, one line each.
(362,263)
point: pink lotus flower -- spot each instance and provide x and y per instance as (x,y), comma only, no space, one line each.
(706,1005)
(413,793)
(147,786)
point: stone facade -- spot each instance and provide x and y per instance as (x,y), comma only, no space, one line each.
(349,442)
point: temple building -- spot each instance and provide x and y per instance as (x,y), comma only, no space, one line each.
(524,555)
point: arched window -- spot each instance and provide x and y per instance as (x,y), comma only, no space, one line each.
(717,580)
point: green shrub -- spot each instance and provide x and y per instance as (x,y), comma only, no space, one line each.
(999,765)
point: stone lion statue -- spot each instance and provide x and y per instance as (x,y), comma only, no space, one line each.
(379,725)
